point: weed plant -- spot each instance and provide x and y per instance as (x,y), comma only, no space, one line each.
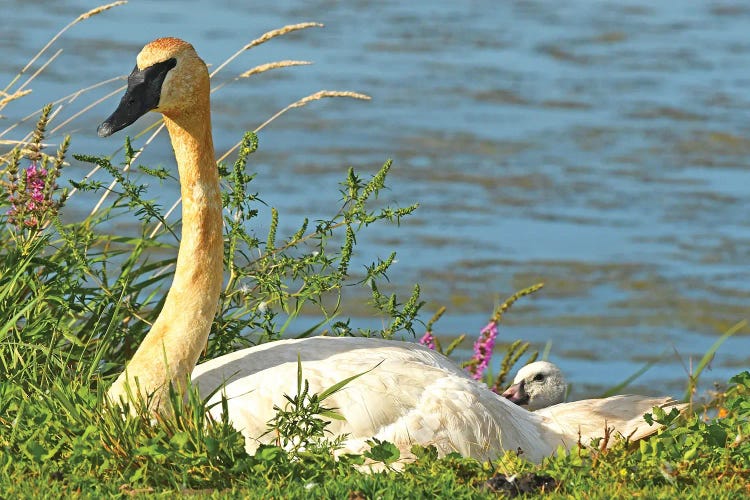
(76,299)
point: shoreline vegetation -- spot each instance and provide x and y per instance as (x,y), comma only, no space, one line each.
(77,298)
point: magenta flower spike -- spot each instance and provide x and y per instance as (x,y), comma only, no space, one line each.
(483,348)
(30,197)
(428,340)
(35,179)
(32,191)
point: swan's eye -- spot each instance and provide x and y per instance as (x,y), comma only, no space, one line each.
(538,377)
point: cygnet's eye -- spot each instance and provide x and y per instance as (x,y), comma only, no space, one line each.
(539,377)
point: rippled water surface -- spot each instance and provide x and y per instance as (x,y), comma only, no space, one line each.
(600,147)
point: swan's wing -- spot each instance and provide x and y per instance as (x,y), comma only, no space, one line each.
(410,395)
(590,417)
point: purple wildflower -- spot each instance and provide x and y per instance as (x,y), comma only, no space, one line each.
(31,191)
(428,340)
(31,197)
(35,179)
(483,348)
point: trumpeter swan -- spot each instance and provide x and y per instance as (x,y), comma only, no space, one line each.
(410,395)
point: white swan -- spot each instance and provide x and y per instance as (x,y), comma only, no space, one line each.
(537,385)
(411,395)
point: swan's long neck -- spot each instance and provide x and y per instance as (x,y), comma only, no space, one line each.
(172,347)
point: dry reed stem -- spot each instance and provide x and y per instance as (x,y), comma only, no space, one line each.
(261,69)
(266,37)
(322,94)
(272,65)
(98,10)
(82,17)
(160,124)
(41,68)
(97,168)
(12,97)
(10,142)
(20,92)
(70,98)
(76,115)
(87,108)
(126,167)
(158,225)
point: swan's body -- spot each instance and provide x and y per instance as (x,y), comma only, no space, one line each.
(411,395)
(537,385)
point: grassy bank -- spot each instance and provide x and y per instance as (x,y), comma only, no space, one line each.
(61,442)
(76,299)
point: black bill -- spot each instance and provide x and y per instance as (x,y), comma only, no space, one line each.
(142,95)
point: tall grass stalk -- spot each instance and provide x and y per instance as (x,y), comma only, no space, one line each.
(86,15)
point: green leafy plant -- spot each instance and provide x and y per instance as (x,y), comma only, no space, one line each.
(302,423)
(382,451)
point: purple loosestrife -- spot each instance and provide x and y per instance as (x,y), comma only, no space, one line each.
(428,340)
(483,348)
(35,179)
(30,191)
(31,198)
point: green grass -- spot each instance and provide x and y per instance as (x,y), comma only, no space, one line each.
(62,442)
(77,298)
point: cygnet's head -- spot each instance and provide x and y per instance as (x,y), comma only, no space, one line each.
(537,385)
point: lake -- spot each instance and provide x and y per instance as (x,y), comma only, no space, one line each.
(602,148)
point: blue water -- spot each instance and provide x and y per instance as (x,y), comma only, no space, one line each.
(600,147)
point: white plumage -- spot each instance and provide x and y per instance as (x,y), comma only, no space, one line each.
(411,395)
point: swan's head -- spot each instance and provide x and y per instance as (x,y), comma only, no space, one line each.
(168,77)
(537,385)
